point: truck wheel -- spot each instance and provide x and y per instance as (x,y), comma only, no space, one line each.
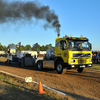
(60,68)
(80,70)
(40,65)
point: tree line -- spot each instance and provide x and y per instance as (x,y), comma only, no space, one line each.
(27,47)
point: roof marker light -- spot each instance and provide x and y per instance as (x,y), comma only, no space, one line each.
(81,36)
(71,35)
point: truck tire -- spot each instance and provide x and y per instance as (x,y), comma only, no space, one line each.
(40,65)
(60,68)
(81,70)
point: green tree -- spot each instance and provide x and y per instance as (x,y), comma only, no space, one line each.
(21,48)
(27,47)
(4,48)
(42,48)
(37,48)
(50,46)
(1,47)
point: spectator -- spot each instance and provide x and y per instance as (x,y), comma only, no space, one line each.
(99,53)
(97,58)
(94,57)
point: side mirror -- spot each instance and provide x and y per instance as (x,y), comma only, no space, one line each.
(90,45)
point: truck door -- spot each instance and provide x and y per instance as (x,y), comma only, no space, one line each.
(64,50)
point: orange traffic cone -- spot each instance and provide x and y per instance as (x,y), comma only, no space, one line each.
(40,88)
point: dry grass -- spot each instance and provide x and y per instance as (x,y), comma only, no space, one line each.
(12,88)
(3,58)
(95,66)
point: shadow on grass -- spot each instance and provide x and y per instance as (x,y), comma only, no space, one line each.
(16,92)
(78,97)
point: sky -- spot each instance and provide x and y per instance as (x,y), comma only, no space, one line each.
(76,17)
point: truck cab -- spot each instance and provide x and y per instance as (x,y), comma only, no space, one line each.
(73,52)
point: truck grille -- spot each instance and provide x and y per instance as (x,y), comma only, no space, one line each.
(81,55)
(81,61)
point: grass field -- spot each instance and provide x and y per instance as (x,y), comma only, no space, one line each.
(3,57)
(12,88)
(95,66)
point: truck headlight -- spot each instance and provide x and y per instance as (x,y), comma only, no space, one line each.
(72,61)
(90,60)
(89,65)
(73,66)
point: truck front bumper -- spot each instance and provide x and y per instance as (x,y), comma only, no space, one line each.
(72,66)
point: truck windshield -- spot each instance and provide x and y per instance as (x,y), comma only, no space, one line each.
(78,45)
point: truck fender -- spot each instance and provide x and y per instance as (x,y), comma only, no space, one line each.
(58,59)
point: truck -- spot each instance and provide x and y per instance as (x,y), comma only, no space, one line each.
(68,53)
(11,50)
(19,58)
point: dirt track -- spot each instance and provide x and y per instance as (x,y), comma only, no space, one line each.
(78,86)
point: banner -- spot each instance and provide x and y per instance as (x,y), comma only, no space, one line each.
(19,45)
(35,45)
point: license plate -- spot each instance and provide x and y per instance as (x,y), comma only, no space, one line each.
(82,66)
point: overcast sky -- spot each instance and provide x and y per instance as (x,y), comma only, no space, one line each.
(77,17)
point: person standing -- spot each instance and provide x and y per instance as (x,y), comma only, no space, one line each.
(97,58)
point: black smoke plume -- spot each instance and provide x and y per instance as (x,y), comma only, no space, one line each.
(26,10)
